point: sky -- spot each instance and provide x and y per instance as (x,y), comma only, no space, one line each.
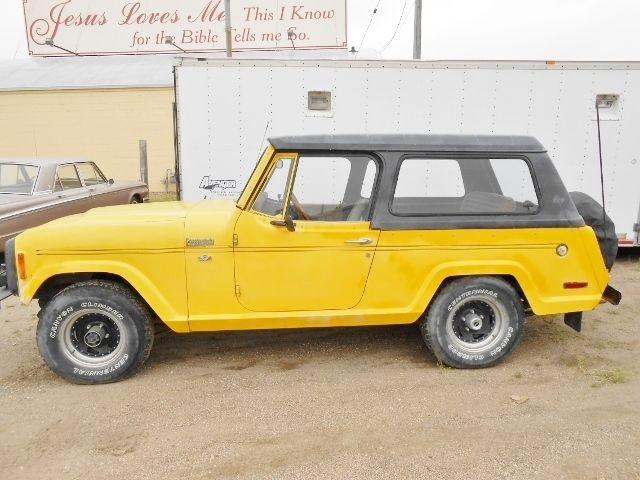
(460,29)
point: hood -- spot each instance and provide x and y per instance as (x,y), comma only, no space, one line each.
(136,213)
(128,184)
(149,226)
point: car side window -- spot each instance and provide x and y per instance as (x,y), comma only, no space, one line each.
(57,186)
(514,178)
(272,197)
(464,186)
(17,178)
(333,188)
(89,174)
(68,177)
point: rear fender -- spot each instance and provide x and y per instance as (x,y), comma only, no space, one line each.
(560,302)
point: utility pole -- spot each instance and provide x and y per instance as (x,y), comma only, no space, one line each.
(417,31)
(227,25)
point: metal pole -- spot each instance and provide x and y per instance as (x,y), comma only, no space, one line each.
(417,31)
(144,168)
(227,25)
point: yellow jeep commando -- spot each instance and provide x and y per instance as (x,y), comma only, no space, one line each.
(463,235)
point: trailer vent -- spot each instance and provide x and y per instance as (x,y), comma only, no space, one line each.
(609,106)
(319,101)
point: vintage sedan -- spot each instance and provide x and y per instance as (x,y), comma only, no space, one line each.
(35,191)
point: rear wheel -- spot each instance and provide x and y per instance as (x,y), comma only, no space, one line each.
(95,332)
(474,322)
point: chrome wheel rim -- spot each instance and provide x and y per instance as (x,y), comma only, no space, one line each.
(477,324)
(93,338)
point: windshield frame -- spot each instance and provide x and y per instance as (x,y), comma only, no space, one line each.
(35,179)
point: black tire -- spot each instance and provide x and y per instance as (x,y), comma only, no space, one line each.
(95,332)
(474,322)
(135,199)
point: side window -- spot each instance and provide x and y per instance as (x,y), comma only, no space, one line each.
(369,180)
(429,177)
(57,187)
(333,188)
(514,178)
(465,186)
(271,199)
(68,177)
(89,174)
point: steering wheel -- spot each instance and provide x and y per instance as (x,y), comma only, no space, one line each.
(295,204)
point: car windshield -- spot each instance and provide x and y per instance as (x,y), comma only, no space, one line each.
(17,178)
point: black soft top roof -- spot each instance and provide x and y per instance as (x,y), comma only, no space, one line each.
(412,142)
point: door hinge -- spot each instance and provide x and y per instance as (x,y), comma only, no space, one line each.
(636,227)
(235,239)
(238,290)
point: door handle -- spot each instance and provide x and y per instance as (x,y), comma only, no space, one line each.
(360,241)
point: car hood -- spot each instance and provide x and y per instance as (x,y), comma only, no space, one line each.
(151,226)
(146,212)
(128,184)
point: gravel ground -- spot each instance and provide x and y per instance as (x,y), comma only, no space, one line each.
(334,403)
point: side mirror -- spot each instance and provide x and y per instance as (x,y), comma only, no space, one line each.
(110,181)
(287,222)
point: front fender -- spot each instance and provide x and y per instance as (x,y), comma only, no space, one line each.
(165,294)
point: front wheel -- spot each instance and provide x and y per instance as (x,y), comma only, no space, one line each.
(474,322)
(95,332)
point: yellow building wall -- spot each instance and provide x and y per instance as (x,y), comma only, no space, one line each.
(102,125)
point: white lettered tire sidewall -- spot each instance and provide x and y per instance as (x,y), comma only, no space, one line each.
(116,302)
(503,299)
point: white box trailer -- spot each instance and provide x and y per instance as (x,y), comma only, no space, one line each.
(227,109)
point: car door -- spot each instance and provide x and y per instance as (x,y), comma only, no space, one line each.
(96,183)
(316,253)
(72,196)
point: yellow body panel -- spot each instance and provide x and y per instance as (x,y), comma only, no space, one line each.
(312,268)
(245,273)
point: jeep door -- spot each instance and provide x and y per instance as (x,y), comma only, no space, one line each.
(305,241)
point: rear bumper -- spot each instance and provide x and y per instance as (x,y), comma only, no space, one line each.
(611,295)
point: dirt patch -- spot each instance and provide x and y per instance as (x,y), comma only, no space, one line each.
(339,403)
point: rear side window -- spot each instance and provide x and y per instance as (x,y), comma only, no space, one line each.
(514,178)
(429,178)
(468,186)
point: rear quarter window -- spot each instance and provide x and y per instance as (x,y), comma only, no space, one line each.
(465,186)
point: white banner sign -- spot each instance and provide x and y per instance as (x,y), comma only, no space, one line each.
(104,27)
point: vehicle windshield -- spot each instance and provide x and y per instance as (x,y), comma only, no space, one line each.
(17,178)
